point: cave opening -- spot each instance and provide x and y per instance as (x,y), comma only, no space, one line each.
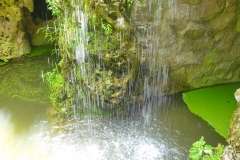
(41,10)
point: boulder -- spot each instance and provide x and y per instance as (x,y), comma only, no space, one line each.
(43,34)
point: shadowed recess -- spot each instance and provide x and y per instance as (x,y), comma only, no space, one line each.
(36,50)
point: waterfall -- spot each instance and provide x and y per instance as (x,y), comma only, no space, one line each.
(80,51)
(116,69)
(114,92)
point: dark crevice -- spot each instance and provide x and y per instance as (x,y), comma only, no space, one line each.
(41,10)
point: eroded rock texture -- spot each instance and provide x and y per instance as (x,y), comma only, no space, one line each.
(13,39)
(198,41)
(232,152)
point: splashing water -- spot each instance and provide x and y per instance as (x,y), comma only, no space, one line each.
(166,133)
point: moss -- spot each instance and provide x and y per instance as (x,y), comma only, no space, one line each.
(238,25)
(98,80)
(22,80)
(190,2)
(55,82)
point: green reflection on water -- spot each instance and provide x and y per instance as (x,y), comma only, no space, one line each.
(24,99)
(214,104)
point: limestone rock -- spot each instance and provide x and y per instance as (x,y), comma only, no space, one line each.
(237,95)
(190,2)
(222,67)
(202,43)
(223,22)
(192,31)
(28,4)
(13,39)
(231,5)
(185,58)
(195,38)
(228,153)
(224,40)
(165,35)
(194,14)
(178,14)
(210,9)
(238,25)
(234,50)
(234,128)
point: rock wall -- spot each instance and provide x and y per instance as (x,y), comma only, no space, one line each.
(13,40)
(198,41)
(232,151)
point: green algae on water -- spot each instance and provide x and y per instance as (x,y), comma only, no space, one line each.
(214,104)
(2,63)
(39,50)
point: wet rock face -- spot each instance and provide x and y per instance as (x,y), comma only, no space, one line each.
(228,153)
(107,65)
(233,132)
(13,39)
(197,40)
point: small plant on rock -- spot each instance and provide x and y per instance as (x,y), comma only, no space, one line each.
(55,82)
(201,151)
(107,28)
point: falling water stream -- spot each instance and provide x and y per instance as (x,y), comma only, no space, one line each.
(163,129)
(166,131)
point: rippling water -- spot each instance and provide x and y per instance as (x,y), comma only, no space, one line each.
(164,132)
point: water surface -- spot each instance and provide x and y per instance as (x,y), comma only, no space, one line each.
(165,130)
(26,133)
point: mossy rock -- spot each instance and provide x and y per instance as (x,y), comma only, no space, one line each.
(41,35)
(23,79)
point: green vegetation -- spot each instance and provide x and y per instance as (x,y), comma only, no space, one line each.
(55,82)
(201,151)
(54,7)
(214,104)
(107,28)
(22,80)
(129,3)
(109,59)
